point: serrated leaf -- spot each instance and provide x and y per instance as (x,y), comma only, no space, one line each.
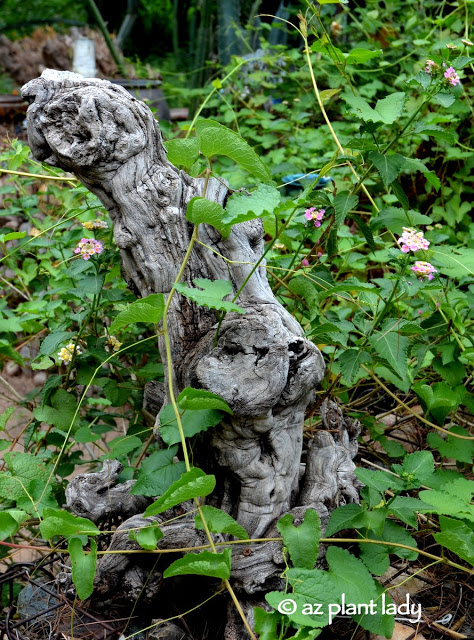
(215,139)
(199,399)
(395,219)
(307,290)
(13,235)
(205,563)
(457,537)
(62,411)
(193,422)
(348,516)
(438,399)
(386,110)
(148,310)
(379,480)
(157,473)
(452,447)
(241,206)
(302,541)
(62,523)
(182,152)
(414,164)
(83,566)
(8,525)
(389,165)
(220,522)
(210,294)
(146,537)
(416,468)
(456,262)
(405,509)
(350,361)
(357,56)
(52,342)
(5,417)
(192,484)
(354,580)
(266,623)
(447,503)
(200,210)
(343,203)
(393,347)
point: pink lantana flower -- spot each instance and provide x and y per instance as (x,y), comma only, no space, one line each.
(424,270)
(316,216)
(412,240)
(451,76)
(87,247)
(430,65)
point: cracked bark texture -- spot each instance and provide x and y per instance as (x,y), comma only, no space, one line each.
(262,364)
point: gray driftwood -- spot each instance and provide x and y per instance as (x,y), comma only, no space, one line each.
(262,364)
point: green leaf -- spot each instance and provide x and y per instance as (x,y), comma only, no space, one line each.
(215,139)
(83,566)
(456,262)
(5,417)
(374,558)
(146,537)
(193,422)
(452,447)
(62,523)
(350,361)
(13,235)
(307,290)
(405,509)
(348,516)
(198,399)
(379,480)
(357,56)
(192,484)
(414,164)
(389,165)
(200,210)
(157,473)
(343,203)
(445,99)
(210,294)
(391,346)
(353,579)
(52,342)
(62,411)
(182,152)
(220,522)
(205,563)
(302,541)
(266,623)
(8,525)
(416,468)
(439,399)
(148,310)
(456,536)
(241,206)
(386,110)
(122,446)
(395,219)
(453,500)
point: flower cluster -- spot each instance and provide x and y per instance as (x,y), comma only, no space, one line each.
(113,342)
(424,270)
(430,66)
(95,224)
(66,354)
(87,247)
(451,76)
(316,216)
(412,240)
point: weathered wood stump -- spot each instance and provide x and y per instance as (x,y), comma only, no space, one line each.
(262,364)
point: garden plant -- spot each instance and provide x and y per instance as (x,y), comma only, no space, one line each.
(255,338)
